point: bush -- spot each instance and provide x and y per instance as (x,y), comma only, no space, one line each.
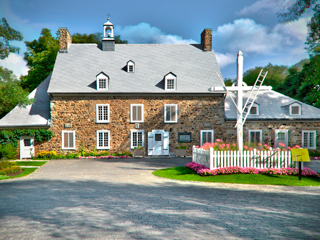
(7,167)
(8,151)
(11,170)
(47,154)
(6,164)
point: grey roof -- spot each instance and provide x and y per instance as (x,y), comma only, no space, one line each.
(76,70)
(272,106)
(34,115)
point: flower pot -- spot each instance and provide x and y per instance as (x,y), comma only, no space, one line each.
(138,152)
(181,152)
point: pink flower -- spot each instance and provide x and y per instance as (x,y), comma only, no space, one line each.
(259,144)
(233,144)
(245,147)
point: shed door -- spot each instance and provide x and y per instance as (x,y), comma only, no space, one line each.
(26,147)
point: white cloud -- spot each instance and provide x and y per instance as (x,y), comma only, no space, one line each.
(225,59)
(145,33)
(246,35)
(262,5)
(16,63)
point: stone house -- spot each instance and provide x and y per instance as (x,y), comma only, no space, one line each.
(116,97)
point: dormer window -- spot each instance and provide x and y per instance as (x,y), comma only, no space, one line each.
(130,66)
(102,81)
(295,109)
(170,81)
(254,109)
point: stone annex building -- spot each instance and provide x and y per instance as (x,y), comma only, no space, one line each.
(116,97)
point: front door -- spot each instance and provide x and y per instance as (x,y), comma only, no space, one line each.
(26,147)
(158,143)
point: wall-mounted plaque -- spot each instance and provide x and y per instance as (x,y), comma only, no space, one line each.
(67,125)
(184,137)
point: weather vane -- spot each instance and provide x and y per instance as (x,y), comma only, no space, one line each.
(108,15)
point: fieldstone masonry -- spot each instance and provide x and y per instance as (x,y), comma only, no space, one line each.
(193,115)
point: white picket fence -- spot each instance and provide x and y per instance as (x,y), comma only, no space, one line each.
(266,159)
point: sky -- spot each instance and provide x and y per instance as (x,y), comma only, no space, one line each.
(250,26)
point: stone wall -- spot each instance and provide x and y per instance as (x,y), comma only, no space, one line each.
(194,114)
(268,130)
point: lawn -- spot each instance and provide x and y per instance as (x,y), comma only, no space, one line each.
(26,171)
(32,163)
(186,174)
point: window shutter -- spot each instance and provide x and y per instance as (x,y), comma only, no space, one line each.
(139,113)
(65,140)
(150,143)
(166,143)
(71,144)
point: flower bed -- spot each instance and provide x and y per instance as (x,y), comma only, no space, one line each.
(109,156)
(202,170)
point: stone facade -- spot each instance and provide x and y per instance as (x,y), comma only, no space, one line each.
(195,113)
(268,128)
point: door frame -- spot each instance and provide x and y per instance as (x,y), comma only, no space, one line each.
(164,139)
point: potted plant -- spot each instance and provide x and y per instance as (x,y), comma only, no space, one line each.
(181,151)
(138,151)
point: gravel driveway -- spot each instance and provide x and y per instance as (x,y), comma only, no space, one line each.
(121,199)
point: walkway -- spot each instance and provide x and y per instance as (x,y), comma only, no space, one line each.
(121,199)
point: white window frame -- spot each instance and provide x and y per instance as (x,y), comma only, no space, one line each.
(250,131)
(97,113)
(131,138)
(130,63)
(314,139)
(102,76)
(165,113)
(170,76)
(295,105)
(74,139)
(131,113)
(258,110)
(103,147)
(202,131)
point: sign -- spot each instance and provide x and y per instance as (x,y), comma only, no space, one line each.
(184,137)
(300,155)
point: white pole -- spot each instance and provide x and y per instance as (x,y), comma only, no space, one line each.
(240,100)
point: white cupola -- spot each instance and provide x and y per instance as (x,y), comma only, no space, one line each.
(108,41)
(108,30)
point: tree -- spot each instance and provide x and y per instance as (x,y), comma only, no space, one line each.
(94,38)
(11,92)
(313,39)
(275,77)
(294,9)
(40,56)
(8,34)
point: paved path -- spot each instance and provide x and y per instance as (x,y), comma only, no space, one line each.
(121,199)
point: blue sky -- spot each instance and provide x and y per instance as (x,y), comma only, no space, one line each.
(250,26)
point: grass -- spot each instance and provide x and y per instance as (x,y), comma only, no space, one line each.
(186,174)
(33,163)
(26,171)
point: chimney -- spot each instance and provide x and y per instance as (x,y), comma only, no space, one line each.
(206,39)
(65,39)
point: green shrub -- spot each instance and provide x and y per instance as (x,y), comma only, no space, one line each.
(13,169)
(6,164)
(8,151)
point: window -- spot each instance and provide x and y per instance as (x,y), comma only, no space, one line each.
(68,139)
(137,138)
(309,139)
(254,109)
(295,109)
(102,113)
(281,136)
(206,136)
(102,81)
(170,113)
(103,139)
(255,137)
(170,81)
(130,66)
(27,142)
(136,112)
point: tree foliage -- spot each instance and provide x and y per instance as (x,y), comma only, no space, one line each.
(94,38)
(294,9)
(8,34)
(313,39)
(275,77)
(11,92)
(40,56)
(304,85)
